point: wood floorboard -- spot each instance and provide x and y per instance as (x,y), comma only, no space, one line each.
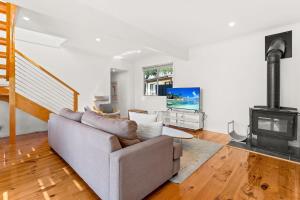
(31,170)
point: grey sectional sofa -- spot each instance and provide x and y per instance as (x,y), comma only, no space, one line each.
(113,172)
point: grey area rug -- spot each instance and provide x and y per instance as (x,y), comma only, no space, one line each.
(195,153)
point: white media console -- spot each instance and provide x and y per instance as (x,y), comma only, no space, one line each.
(184,119)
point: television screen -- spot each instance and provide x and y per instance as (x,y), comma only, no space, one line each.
(183,98)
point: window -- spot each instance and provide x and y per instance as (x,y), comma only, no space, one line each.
(157,79)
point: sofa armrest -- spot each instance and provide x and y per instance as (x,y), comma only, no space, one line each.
(139,169)
(177,150)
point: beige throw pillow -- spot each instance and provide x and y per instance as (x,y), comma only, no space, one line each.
(142,118)
(147,131)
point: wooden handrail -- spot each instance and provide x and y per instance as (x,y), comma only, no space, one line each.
(47,72)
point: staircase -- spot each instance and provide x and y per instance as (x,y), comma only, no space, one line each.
(24,84)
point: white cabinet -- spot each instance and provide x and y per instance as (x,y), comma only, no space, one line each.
(184,119)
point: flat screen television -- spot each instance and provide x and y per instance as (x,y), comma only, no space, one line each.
(184,98)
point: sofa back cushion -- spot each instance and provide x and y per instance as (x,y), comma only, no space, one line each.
(124,129)
(70,114)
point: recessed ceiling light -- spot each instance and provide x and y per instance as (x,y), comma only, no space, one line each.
(131,52)
(98,39)
(118,57)
(26,18)
(152,49)
(231,24)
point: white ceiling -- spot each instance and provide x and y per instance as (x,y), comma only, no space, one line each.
(193,22)
(167,26)
(78,36)
(38,38)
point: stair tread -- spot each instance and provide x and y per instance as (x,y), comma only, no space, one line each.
(2,76)
(3,25)
(4,91)
(3,9)
(2,66)
(2,3)
(3,41)
(2,54)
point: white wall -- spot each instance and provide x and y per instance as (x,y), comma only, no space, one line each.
(25,123)
(124,91)
(232,75)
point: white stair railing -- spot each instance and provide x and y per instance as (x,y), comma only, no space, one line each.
(40,86)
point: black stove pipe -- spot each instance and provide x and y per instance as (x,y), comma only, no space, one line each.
(274,54)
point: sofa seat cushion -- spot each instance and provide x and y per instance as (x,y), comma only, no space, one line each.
(177,151)
(125,130)
(70,114)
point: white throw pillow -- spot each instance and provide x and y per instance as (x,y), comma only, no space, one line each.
(149,130)
(142,118)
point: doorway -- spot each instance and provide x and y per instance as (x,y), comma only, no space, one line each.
(120,91)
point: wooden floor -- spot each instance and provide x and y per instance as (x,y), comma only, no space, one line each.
(30,170)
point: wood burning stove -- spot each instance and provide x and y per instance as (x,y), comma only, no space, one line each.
(272,125)
(273,128)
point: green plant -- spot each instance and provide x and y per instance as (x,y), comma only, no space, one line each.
(150,72)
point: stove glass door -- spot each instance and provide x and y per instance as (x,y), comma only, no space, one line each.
(272,124)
